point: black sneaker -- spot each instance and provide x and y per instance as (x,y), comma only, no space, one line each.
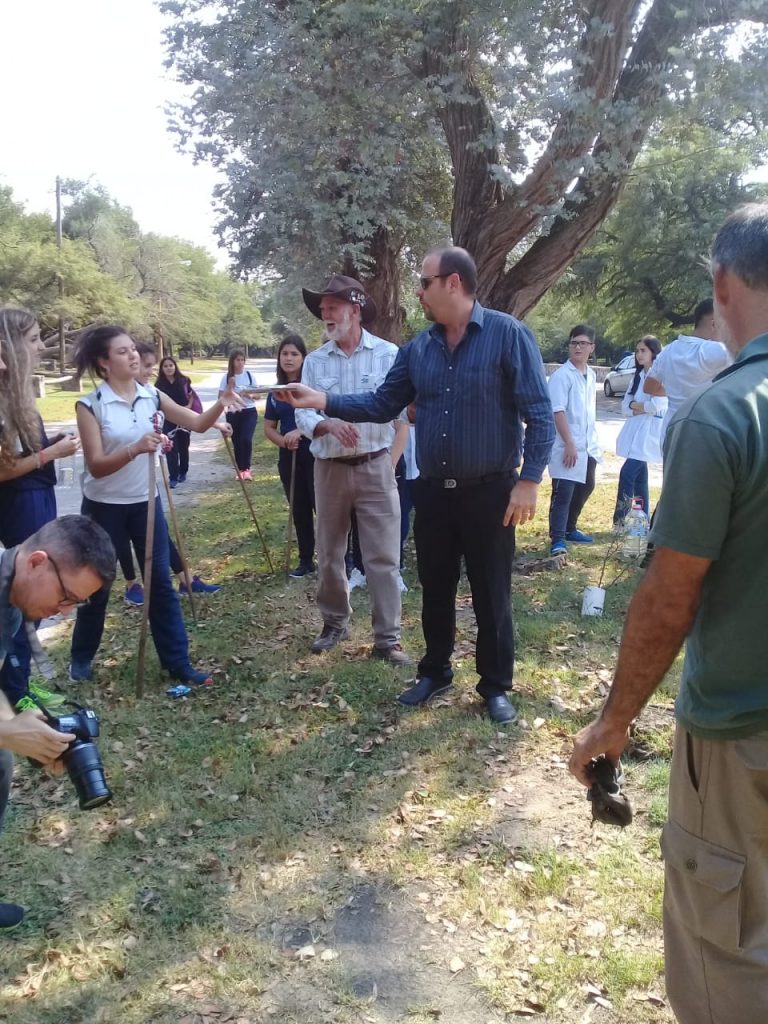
(11,916)
(301,570)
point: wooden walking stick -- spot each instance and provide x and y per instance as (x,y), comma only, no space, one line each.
(249,504)
(149,545)
(177,535)
(291,489)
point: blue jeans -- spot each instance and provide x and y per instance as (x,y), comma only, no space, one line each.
(21,514)
(165,619)
(243,425)
(633,483)
(568,499)
(6,775)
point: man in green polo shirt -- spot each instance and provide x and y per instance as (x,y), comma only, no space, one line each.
(707,583)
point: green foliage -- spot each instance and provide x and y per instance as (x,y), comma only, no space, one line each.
(112,271)
(647,267)
(352,133)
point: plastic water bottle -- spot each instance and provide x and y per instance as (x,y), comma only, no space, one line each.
(66,472)
(635,531)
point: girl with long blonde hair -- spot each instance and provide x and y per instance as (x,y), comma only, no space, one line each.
(27,473)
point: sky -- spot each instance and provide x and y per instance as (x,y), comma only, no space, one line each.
(83,89)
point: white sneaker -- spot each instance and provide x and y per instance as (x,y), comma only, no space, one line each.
(357,579)
(401,584)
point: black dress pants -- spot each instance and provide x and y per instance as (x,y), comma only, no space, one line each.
(466,522)
(303,496)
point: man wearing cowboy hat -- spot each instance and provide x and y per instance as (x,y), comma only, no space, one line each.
(475,376)
(353,469)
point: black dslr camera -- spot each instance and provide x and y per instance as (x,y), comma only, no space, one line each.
(82,759)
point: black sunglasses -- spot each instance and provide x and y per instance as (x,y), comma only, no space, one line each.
(68,599)
(425,282)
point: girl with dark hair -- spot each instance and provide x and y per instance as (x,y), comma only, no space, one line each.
(280,428)
(172,382)
(117,431)
(243,420)
(27,476)
(134,591)
(639,441)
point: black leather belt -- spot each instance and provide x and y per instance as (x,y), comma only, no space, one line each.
(450,483)
(358,460)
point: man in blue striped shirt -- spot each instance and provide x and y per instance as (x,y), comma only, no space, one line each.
(476,376)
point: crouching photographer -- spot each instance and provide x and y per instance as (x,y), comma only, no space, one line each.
(56,569)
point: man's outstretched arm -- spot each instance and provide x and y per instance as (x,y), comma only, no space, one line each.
(658,620)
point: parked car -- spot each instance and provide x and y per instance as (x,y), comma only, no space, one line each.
(620,377)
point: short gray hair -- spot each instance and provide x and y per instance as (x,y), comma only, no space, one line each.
(741,245)
(76,542)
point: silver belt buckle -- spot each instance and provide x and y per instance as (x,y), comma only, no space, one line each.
(449,484)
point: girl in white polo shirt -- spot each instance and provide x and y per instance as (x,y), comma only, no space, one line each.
(117,433)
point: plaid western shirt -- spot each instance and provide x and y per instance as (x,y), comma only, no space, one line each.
(330,369)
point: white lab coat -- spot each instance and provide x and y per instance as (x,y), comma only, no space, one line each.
(575,394)
(640,437)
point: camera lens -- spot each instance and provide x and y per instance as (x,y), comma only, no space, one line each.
(85,769)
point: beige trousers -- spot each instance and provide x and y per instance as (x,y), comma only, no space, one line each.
(371,491)
(715,848)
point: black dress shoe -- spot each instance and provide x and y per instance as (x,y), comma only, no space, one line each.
(423,691)
(500,709)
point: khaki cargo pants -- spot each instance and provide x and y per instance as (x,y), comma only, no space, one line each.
(715,848)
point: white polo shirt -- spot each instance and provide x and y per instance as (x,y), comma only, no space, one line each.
(121,423)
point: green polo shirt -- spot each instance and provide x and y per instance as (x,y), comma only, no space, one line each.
(714,505)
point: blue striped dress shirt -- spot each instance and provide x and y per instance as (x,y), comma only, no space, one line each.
(471,403)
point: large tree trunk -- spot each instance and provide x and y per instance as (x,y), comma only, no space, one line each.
(625,81)
(383,286)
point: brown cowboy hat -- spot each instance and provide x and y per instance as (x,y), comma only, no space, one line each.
(341,287)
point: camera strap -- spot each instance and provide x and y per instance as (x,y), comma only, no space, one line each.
(43,662)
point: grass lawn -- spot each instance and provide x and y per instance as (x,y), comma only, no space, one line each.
(262,831)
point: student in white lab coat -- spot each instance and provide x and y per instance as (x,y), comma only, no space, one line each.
(576,451)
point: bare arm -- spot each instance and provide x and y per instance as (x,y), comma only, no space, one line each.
(27,463)
(99,464)
(199,421)
(272,433)
(654,388)
(658,620)
(401,440)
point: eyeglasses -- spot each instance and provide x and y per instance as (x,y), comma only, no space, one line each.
(68,600)
(581,344)
(425,282)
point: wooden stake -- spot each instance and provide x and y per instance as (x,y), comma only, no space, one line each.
(248,502)
(148,559)
(177,535)
(291,489)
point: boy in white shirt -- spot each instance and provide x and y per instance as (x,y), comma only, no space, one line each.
(576,451)
(687,365)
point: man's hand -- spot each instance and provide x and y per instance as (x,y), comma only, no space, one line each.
(302,397)
(597,738)
(570,455)
(522,503)
(346,434)
(28,735)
